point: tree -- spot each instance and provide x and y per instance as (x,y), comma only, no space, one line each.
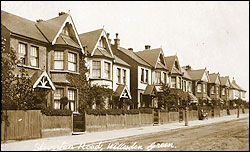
(17,90)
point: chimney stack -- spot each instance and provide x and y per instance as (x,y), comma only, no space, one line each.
(147,47)
(130,49)
(39,20)
(109,38)
(117,41)
(61,13)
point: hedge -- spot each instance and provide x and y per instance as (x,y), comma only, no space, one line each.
(56,112)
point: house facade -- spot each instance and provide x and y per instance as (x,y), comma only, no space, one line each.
(213,90)
(155,58)
(50,51)
(105,68)
(140,74)
(224,89)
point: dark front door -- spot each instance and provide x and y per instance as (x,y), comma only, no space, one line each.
(156,116)
(79,122)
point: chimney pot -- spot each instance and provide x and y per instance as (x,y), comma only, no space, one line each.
(61,13)
(108,35)
(116,35)
(117,41)
(39,20)
(147,47)
(131,49)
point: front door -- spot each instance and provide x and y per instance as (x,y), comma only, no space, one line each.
(79,122)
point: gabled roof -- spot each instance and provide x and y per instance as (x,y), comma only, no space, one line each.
(196,74)
(90,39)
(170,61)
(234,85)
(150,90)
(102,52)
(133,56)
(51,27)
(42,80)
(186,74)
(151,56)
(21,26)
(224,80)
(214,78)
(122,92)
(120,61)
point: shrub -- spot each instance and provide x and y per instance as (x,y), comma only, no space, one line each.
(146,110)
(96,111)
(131,112)
(56,112)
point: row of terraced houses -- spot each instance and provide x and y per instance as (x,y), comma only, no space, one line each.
(50,50)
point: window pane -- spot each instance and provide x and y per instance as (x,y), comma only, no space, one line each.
(142,75)
(96,69)
(58,55)
(58,64)
(157,77)
(124,76)
(199,88)
(106,70)
(146,76)
(119,75)
(71,94)
(72,57)
(173,82)
(22,49)
(71,66)
(58,93)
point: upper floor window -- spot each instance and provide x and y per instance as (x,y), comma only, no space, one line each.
(185,85)
(34,56)
(119,75)
(179,83)
(71,98)
(71,61)
(58,60)
(106,70)
(217,90)
(157,77)
(59,93)
(96,69)
(189,86)
(223,91)
(22,53)
(146,76)
(199,87)
(124,76)
(176,65)
(173,82)
(142,75)
(212,89)
(164,78)
(204,88)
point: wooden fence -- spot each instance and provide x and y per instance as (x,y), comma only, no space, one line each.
(110,122)
(33,124)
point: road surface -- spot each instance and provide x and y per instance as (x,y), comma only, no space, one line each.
(229,136)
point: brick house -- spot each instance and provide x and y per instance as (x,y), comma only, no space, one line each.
(50,51)
(236,92)
(200,81)
(159,71)
(187,85)
(224,89)
(175,73)
(105,68)
(140,73)
(213,88)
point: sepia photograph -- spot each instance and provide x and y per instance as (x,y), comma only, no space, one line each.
(125,75)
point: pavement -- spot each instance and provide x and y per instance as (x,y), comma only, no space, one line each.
(70,142)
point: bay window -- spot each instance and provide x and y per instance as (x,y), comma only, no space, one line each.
(96,69)
(223,91)
(217,90)
(165,78)
(157,77)
(146,80)
(34,56)
(142,75)
(212,90)
(173,82)
(204,88)
(106,70)
(72,61)
(58,60)
(199,87)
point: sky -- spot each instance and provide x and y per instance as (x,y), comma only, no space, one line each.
(202,34)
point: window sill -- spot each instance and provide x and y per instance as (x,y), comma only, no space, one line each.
(63,71)
(100,79)
(27,66)
(143,82)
